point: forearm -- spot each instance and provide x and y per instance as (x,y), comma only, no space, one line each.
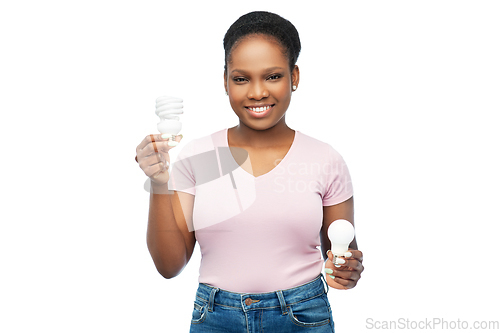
(165,241)
(354,244)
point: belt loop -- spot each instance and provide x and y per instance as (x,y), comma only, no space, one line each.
(282,301)
(327,286)
(211,300)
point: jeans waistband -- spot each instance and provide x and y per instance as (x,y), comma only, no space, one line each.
(252,301)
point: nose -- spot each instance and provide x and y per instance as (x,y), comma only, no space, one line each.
(257,91)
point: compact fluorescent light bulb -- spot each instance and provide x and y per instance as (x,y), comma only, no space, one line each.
(167,108)
(341,234)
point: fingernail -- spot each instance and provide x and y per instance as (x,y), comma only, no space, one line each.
(333,277)
(339,261)
(165,136)
(337,266)
(348,254)
(181,136)
(328,271)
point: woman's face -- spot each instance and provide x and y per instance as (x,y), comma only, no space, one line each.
(259,82)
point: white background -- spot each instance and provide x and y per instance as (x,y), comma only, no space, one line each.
(406,91)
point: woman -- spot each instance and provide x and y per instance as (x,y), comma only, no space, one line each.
(260,219)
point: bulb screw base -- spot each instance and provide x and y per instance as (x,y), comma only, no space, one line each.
(171,141)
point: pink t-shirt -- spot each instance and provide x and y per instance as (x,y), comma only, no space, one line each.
(260,234)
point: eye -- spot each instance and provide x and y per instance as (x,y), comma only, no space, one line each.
(275,77)
(239,79)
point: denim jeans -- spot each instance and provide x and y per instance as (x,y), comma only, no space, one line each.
(301,309)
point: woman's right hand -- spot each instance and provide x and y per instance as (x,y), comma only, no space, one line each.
(153,158)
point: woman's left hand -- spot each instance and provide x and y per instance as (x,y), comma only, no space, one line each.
(347,275)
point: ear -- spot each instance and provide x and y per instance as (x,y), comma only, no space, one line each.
(225,81)
(295,76)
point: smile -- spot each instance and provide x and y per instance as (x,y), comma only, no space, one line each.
(259,111)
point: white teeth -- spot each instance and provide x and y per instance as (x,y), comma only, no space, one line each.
(261,109)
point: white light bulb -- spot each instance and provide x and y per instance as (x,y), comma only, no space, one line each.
(341,234)
(167,108)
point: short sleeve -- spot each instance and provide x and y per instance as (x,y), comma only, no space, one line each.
(181,172)
(337,180)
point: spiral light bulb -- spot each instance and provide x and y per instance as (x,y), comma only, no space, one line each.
(167,108)
(341,234)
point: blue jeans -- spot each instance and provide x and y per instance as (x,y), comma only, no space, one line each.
(301,309)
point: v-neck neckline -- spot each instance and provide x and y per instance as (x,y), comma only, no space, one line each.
(284,159)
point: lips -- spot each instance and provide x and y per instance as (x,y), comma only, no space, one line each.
(259,111)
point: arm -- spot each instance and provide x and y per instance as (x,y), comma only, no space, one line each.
(169,239)
(343,210)
(347,275)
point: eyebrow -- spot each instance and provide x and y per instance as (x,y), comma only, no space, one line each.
(266,70)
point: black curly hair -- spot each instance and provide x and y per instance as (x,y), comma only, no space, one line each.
(269,24)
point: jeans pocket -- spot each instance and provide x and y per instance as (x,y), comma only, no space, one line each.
(199,311)
(312,312)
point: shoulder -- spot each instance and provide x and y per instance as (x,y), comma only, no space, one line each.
(201,144)
(317,148)
(309,140)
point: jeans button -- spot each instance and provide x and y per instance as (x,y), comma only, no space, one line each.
(250,301)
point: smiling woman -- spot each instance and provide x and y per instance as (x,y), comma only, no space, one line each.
(259,82)
(280,212)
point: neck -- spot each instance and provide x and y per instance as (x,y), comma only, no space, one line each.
(271,137)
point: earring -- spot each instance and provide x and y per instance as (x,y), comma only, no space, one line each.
(226,93)
(294,87)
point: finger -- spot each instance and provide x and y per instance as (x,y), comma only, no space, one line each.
(331,268)
(152,144)
(356,254)
(148,156)
(150,161)
(351,253)
(151,158)
(347,263)
(334,282)
(346,284)
(336,260)
(153,167)
(179,137)
(352,258)
(147,140)
(346,275)
(330,255)
(339,277)
(329,264)
(360,268)
(153,172)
